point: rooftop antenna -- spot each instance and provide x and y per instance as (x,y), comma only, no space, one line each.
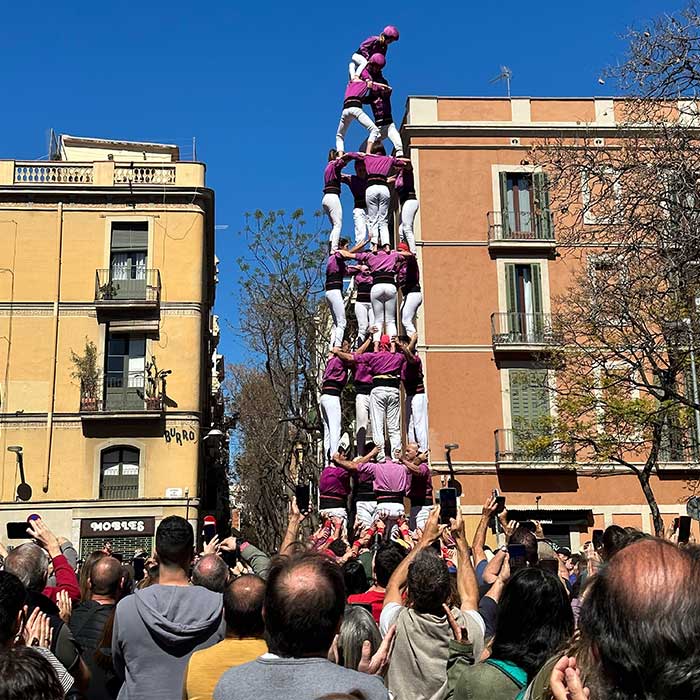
(505,74)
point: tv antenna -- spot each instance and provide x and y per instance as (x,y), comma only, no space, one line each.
(505,74)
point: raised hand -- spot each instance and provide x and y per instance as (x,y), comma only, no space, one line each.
(65,606)
(211,547)
(40,532)
(37,631)
(460,634)
(565,681)
(377,664)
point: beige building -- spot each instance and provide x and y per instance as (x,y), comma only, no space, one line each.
(108,247)
(488,253)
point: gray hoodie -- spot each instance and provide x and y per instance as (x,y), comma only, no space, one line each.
(156,630)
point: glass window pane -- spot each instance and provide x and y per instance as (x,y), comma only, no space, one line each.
(117,345)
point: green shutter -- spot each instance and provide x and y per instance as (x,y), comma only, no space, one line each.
(503,181)
(536,288)
(543,224)
(513,321)
(130,236)
(529,396)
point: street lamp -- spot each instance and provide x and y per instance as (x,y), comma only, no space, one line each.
(24,490)
(452,481)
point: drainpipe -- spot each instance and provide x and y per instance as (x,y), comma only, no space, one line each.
(54,363)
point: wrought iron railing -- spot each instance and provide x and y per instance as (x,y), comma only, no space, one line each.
(519,328)
(505,225)
(119,488)
(122,392)
(132,283)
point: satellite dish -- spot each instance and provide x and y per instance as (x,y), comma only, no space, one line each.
(692,507)
(24,491)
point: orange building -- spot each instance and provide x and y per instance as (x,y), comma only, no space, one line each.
(488,261)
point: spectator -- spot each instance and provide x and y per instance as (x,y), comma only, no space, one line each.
(157,629)
(418,667)
(304,604)
(521,535)
(84,575)
(534,621)
(243,602)
(16,630)
(614,539)
(30,564)
(211,572)
(88,623)
(388,557)
(27,675)
(358,635)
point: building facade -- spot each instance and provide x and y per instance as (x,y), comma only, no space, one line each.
(488,256)
(109,377)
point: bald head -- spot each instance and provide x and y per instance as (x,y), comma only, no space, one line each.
(243,604)
(641,614)
(211,571)
(105,577)
(304,604)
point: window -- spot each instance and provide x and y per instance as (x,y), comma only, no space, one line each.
(616,386)
(529,413)
(601,191)
(129,259)
(524,302)
(525,206)
(125,372)
(119,473)
(608,284)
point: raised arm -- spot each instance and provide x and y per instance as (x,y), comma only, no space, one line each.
(479,542)
(359,246)
(412,344)
(467,585)
(344,463)
(344,356)
(368,457)
(293,526)
(410,357)
(365,345)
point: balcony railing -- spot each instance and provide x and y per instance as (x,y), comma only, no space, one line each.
(129,392)
(53,173)
(151,174)
(505,226)
(524,446)
(119,488)
(127,284)
(519,328)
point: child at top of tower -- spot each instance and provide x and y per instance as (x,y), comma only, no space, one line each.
(371,45)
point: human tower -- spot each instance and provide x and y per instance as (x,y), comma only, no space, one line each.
(388,466)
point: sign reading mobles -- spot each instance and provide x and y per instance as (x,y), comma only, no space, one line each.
(117,527)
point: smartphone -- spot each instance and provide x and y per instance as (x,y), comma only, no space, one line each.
(597,539)
(516,553)
(18,531)
(550,565)
(139,567)
(500,504)
(209,528)
(683,529)
(448,505)
(302,495)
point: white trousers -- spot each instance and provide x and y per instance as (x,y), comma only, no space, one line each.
(409,306)
(357,65)
(334,211)
(383,296)
(419,517)
(388,131)
(385,407)
(330,415)
(347,117)
(365,513)
(365,318)
(359,217)
(363,423)
(408,217)
(417,419)
(336,305)
(377,197)
(390,510)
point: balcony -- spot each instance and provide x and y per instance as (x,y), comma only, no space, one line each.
(525,447)
(133,395)
(514,331)
(529,232)
(124,487)
(125,290)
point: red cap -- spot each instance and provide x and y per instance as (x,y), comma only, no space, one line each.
(209,520)
(403,246)
(385,340)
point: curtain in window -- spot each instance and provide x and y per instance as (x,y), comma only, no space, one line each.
(139,263)
(120,266)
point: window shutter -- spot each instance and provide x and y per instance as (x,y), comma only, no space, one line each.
(512,301)
(529,398)
(536,288)
(505,226)
(130,236)
(544,216)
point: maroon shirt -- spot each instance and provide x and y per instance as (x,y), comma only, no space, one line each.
(421,485)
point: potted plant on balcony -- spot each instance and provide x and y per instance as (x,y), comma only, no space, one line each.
(86,372)
(108,291)
(154,385)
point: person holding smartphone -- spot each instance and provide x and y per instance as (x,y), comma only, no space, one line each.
(420,488)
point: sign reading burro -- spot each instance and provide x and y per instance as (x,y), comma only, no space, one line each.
(121,527)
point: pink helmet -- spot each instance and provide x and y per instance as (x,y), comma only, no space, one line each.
(391,32)
(378,59)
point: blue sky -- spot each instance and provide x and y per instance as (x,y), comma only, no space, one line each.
(260,84)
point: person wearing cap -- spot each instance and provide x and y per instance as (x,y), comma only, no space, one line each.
(408,278)
(379,167)
(357,184)
(385,366)
(379,99)
(370,46)
(336,271)
(414,388)
(406,191)
(331,194)
(355,92)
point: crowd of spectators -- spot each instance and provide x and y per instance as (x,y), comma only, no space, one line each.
(427,614)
